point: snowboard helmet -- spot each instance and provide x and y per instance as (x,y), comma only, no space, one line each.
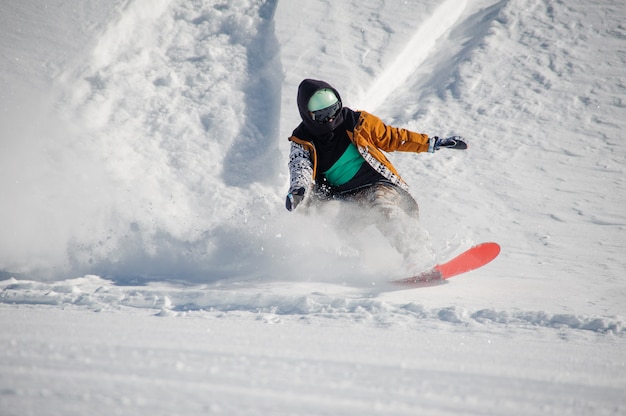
(324,105)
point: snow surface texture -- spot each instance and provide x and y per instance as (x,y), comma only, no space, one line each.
(143,170)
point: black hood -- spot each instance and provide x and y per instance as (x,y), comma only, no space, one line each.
(307,88)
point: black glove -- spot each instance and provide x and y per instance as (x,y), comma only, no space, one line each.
(452,142)
(294,198)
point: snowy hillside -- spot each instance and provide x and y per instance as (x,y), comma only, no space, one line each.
(143,172)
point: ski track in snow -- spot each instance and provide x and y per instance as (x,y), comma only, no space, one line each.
(414,54)
(97,294)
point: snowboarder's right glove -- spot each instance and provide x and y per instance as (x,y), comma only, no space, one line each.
(452,142)
(294,198)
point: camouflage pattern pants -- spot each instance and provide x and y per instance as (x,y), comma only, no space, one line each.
(396,215)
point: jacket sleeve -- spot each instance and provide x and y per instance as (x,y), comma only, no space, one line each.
(300,167)
(389,138)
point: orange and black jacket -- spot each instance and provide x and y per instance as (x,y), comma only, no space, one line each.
(367,132)
(371,137)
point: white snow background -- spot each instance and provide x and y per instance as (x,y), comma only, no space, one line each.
(147,263)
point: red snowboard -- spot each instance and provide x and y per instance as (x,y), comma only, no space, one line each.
(470,259)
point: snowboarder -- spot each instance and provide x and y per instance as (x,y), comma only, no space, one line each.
(336,154)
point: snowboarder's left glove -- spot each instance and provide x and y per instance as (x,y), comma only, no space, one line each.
(452,142)
(294,198)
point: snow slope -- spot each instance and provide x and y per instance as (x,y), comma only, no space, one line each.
(147,264)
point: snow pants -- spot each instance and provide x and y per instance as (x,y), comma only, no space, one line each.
(396,215)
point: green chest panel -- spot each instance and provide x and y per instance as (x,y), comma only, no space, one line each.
(345,167)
